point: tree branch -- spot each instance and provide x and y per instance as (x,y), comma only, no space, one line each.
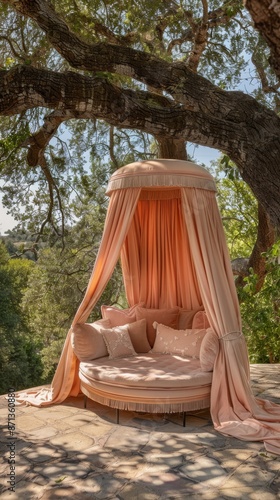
(39,141)
(200,38)
(266,17)
(175,78)
(78,96)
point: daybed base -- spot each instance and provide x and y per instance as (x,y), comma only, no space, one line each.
(147,383)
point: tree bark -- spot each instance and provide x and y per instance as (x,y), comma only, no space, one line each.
(172,148)
(257,261)
(265,239)
(266,17)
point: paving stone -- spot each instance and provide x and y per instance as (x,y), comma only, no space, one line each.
(25,490)
(63,471)
(25,409)
(174,444)
(27,423)
(127,439)
(207,438)
(72,441)
(22,444)
(247,475)
(136,491)
(47,415)
(97,429)
(22,466)
(97,457)
(4,414)
(166,484)
(266,461)
(79,419)
(246,493)
(209,494)
(42,453)
(265,495)
(102,485)
(74,404)
(145,423)
(275,485)
(43,433)
(231,458)
(3,402)
(193,421)
(204,470)
(61,425)
(65,492)
(83,453)
(168,461)
(128,468)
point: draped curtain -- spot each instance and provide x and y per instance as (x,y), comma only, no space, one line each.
(66,381)
(234,409)
(157,265)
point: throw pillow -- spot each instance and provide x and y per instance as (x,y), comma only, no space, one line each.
(200,320)
(118,342)
(117,316)
(138,336)
(88,342)
(208,351)
(182,342)
(186,318)
(167,317)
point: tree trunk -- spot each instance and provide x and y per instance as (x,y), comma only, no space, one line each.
(266,17)
(172,148)
(265,239)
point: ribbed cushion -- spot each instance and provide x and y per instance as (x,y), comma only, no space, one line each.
(87,341)
(200,320)
(209,350)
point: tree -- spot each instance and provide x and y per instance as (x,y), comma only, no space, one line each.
(261,324)
(87,60)
(259,296)
(20,365)
(266,17)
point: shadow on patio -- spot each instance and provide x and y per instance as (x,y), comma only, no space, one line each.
(66,450)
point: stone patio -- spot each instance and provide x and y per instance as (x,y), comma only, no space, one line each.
(68,451)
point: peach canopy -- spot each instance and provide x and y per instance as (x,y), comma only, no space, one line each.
(164,223)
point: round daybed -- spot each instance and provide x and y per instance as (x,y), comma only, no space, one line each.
(153,383)
(121,368)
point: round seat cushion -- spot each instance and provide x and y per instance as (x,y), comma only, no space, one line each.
(151,370)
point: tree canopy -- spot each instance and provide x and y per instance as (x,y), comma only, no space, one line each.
(168,72)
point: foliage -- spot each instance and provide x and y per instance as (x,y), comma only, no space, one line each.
(20,363)
(261,312)
(238,208)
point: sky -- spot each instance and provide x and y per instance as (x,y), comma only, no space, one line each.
(202,154)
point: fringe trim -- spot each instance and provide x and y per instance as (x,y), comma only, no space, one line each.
(160,407)
(156,180)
